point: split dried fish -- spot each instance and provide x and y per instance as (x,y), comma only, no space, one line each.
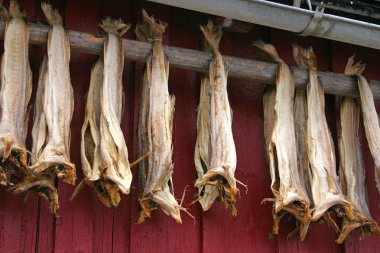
(300,117)
(215,154)
(208,193)
(352,174)
(90,142)
(326,191)
(43,183)
(15,92)
(289,194)
(58,104)
(111,170)
(155,127)
(370,117)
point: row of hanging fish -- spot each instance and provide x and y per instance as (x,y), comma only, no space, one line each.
(104,152)
(301,151)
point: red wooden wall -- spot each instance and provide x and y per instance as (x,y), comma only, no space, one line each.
(85,225)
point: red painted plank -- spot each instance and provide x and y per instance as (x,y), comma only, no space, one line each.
(120,223)
(161,233)
(341,53)
(75,224)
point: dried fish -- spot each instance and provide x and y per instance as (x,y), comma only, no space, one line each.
(370,117)
(104,151)
(208,193)
(289,194)
(15,92)
(352,174)
(326,191)
(43,183)
(58,105)
(154,133)
(215,154)
(90,142)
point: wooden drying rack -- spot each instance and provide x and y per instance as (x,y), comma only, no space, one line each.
(265,73)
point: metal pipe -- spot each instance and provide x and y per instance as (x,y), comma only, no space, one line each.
(297,3)
(287,18)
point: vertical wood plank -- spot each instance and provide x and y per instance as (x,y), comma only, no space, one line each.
(46,221)
(119,226)
(75,224)
(340,54)
(19,220)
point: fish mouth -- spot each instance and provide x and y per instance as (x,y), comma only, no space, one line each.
(56,165)
(107,192)
(227,193)
(45,187)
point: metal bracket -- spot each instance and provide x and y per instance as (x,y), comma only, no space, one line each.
(314,22)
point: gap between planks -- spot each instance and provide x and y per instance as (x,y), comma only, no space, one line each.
(265,73)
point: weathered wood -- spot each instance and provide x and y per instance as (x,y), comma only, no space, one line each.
(189,59)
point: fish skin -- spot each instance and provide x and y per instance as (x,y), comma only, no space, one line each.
(370,116)
(300,117)
(280,137)
(352,172)
(155,127)
(114,174)
(208,193)
(58,104)
(15,93)
(90,142)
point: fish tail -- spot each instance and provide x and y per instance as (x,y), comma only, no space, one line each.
(15,10)
(266,51)
(51,14)
(353,68)
(304,57)
(212,35)
(114,26)
(150,30)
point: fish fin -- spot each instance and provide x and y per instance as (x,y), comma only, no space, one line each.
(304,57)
(353,68)
(114,26)
(212,35)
(150,30)
(51,14)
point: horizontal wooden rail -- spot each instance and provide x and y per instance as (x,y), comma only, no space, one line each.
(337,84)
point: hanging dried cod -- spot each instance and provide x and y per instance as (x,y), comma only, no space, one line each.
(326,191)
(155,127)
(289,194)
(352,174)
(43,183)
(58,103)
(90,142)
(104,151)
(370,117)
(16,88)
(215,154)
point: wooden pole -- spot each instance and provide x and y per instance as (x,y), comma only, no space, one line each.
(265,73)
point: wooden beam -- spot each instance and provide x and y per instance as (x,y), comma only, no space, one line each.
(337,84)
